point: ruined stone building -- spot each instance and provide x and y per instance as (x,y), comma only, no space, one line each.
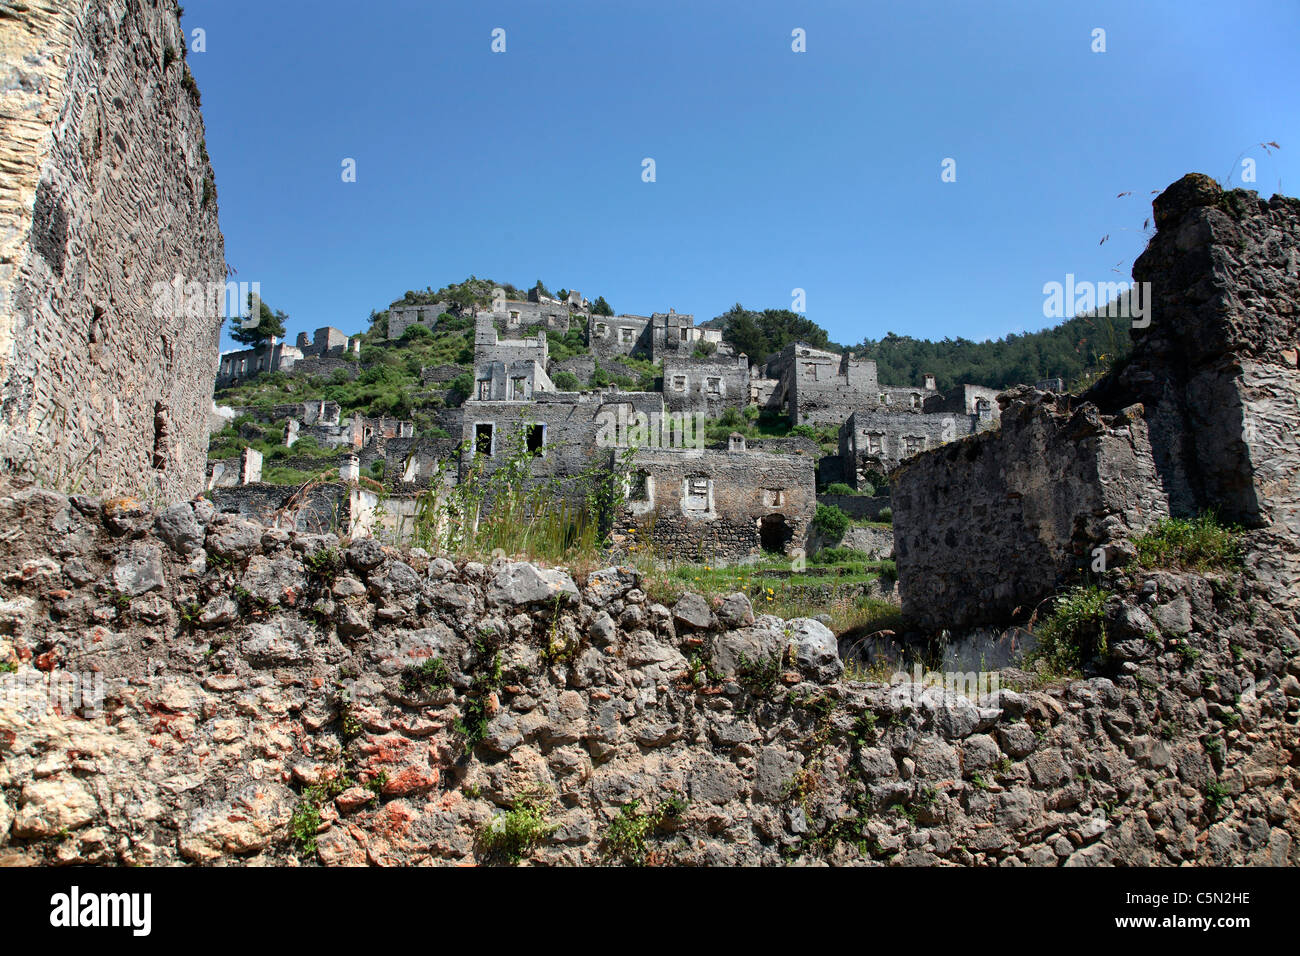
(308,356)
(706,385)
(107,197)
(712,505)
(1201,417)
(653,337)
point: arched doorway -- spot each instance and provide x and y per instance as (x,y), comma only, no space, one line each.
(774,533)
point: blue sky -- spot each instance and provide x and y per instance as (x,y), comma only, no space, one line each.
(775,170)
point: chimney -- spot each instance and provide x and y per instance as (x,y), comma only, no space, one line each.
(350,470)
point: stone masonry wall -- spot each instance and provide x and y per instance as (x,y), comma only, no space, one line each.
(193,688)
(985,526)
(106,190)
(1206,415)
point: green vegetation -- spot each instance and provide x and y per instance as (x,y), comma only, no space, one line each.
(507,508)
(830,522)
(306,818)
(514,834)
(324,563)
(1196,544)
(431,675)
(1075,633)
(626,840)
(269,324)
(760,334)
(474,717)
(839,488)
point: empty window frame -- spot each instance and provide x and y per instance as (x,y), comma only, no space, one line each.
(535,438)
(774,497)
(517,388)
(484,438)
(679,383)
(625,336)
(714,386)
(638,488)
(697,493)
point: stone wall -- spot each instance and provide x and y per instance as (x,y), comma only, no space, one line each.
(612,335)
(705,386)
(862,507)
(986,526)
(107,196)
(193,688)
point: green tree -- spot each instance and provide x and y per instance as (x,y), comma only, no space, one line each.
(601,307)
(269,324)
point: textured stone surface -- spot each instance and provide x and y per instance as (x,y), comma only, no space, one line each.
(399,738)
(106,190)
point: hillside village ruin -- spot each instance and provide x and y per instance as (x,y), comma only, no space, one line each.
(260,679)
(733,501)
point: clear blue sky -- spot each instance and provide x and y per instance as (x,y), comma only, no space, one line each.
(775,170)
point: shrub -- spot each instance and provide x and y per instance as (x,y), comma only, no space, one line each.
(1076,631)
(566,381)
(433,674)
(830,522)
(627,835)
(839,488)
(886,515)
(840,556)
(1196,544)
(416,331)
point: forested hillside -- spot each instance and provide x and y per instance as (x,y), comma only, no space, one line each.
(1076,351)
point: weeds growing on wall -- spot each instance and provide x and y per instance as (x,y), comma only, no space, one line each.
(1202,543)
(1075,632)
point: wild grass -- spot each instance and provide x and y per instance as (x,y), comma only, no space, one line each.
(1202,543)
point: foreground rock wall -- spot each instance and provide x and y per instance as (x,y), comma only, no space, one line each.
(106,191)
(269,696)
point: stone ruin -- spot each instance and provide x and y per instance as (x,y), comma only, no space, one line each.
(187,686)
(108,199)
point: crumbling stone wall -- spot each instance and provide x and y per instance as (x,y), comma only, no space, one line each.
(986,525)
(256,695)
(1204,416)
(107,193)
(705,386)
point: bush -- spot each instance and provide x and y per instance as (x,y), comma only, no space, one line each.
(1076,631)
(839,488)
(566,381)
(840,556)
(416,331)
(886,515)
(830,522)
(1198,544)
